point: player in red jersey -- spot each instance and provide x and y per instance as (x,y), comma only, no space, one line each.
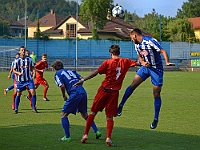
(39,68)
(107,95)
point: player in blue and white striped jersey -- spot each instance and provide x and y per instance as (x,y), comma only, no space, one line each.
(23,68)
(148,50)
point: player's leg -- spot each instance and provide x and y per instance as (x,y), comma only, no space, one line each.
(110,111)
(157,81)
(89,122)
(66,127)
(94,127)
(14,96)
(99,104)
(109,128)
(141,76)
(82,108)
(8,89)
(31,88)
(46,87)
(157,105)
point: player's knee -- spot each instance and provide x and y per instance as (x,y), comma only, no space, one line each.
(63,114)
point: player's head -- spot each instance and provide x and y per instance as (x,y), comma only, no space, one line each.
(44,57)
(17,55)
(57,65)
(136,35)
(115,50)
(33,52)
(27,52)
(22,50)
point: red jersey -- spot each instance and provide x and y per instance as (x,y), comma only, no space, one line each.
(41,65)
(115,71)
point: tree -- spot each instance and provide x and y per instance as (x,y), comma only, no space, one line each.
(180,30)
(95,11)
(189,9)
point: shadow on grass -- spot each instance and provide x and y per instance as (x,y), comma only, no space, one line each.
(45,136)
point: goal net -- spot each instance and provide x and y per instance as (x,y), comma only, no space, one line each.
(7,55)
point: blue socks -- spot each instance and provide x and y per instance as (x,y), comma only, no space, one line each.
(127,94)
(94,127)
(10,87)
(66,126)
(17,101)
(33,101)
(157,105)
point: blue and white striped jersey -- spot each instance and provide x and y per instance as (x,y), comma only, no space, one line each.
(149,49)
(24,65)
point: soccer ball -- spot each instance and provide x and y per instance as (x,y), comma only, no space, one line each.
(118,11)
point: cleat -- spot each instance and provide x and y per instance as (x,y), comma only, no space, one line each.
(65,139)
(109,142)
(28,98)
(35,110)
(154,124)
(4,92)
(16,112)
(98,135)
(46,99)
(119,110)
(84,138)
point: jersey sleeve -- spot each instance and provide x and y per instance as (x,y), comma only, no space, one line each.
(102,68)
(131,62)
(58,80)
(154,43)
(37,65)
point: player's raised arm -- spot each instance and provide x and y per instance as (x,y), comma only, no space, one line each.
(166,57)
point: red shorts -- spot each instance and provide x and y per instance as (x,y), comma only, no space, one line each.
(107,100)
(40,81)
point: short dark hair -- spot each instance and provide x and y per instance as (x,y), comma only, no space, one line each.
(115,50)
(22,47)
(45,55)
(57,65)
(136,30)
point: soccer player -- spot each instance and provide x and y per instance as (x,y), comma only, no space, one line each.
(23,67)
(34,57)
(39,68)
(77,101)
(148,50)
(107,95)
(11,74)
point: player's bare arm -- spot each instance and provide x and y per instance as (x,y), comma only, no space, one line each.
(62,88)
(17,73)
(142,62)
(10,72)
(91,75)
(166,57)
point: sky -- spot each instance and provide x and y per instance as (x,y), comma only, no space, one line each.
(142,7)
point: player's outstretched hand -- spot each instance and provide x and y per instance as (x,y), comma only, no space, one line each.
(78,83)
(170,64)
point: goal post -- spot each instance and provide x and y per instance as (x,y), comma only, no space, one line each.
(7,55)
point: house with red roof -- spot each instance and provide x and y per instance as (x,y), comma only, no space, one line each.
(57,27)
(196,26)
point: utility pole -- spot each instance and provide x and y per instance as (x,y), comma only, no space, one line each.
(160,28)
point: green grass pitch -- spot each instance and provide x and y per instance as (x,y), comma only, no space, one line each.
(178,128)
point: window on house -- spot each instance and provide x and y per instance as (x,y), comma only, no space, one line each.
(71,30)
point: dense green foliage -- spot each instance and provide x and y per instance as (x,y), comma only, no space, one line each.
(163,28)
(95,11)
(178,128)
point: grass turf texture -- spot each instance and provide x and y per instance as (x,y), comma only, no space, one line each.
(178,128)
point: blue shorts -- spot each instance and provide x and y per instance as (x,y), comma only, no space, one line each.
(156,75)
(77,102)
(21,86)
